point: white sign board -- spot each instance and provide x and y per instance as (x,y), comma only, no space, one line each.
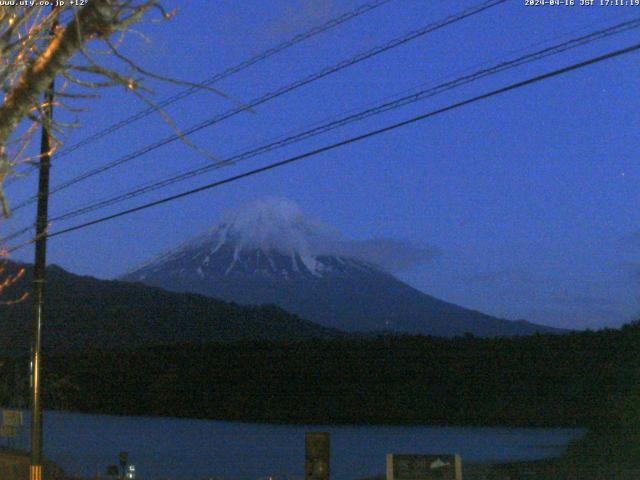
(424,467)
(8,431)
(11,418)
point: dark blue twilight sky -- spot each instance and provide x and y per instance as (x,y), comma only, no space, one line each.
(530,198)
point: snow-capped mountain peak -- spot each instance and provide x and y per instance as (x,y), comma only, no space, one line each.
(268,252)
(270,236)
(273,224)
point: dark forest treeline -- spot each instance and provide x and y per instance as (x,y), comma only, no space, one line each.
(579,379)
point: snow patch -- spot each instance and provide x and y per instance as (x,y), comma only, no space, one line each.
(277,226)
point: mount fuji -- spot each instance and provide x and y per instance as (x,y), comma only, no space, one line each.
(268,252)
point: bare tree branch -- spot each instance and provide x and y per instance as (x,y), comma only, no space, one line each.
(31,56)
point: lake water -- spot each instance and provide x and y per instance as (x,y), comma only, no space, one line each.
(185,449)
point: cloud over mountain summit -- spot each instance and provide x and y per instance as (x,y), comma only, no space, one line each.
(279,224)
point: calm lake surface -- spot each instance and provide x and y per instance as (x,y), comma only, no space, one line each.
(185,449)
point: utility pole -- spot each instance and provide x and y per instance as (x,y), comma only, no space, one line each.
(42,219)
(317,456)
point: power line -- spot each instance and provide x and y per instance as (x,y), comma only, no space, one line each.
(373,133)
(397,103)
(274,94)
(230,71)
(334,22)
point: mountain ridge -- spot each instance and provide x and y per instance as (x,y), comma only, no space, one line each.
(82,312)
(269,253)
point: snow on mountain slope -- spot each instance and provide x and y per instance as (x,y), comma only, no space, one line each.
(268,252)
(269,237)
